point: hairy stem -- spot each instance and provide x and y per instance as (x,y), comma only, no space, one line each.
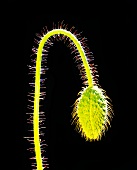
(37,84)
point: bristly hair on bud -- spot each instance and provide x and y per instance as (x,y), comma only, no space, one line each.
(92,113)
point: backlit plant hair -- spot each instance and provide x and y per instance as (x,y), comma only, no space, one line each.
(92,110)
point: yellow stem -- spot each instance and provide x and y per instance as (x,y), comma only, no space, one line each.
(37,85)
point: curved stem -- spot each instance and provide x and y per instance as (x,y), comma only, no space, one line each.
(37,85)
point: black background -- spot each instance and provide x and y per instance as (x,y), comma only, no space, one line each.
(112,37)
